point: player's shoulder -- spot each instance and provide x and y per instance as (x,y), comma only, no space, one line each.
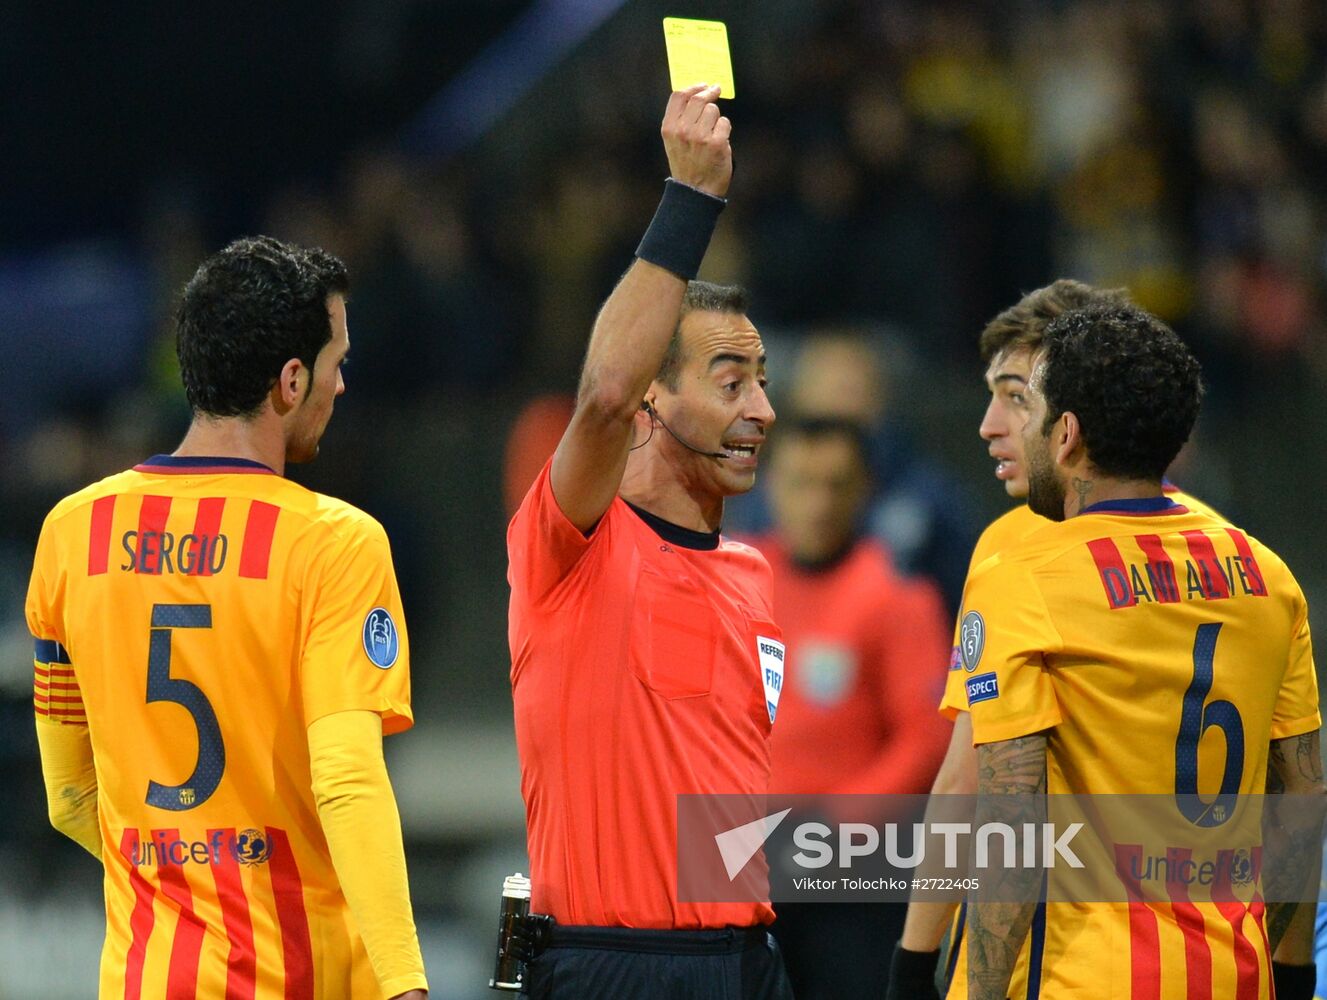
(336,518)
(1046,548)
(1005,531)
(1030,563)
(1011,586)
(1016,521)
(74,502)
(1009,564)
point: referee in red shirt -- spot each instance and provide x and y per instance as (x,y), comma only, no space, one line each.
(636,673)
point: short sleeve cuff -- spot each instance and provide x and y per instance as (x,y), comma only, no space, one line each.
(396,718)
(559,525)
(396,715)
(953,702)
(404,984)
(1304,724)
(1011,728)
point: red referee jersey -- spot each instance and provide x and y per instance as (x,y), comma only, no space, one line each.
(637,675)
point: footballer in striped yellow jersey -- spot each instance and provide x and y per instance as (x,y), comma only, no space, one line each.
(218,653)
(1128,613)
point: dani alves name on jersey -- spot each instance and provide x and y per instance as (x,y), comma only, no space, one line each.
(1152,576)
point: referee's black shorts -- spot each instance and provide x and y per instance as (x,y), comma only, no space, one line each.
(616,963)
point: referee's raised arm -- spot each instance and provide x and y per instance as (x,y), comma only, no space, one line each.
(646,661)
(632,331)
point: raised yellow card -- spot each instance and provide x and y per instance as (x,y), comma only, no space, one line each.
(698,53)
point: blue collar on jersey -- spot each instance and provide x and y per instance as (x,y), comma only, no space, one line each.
(196,463)
(1139,505)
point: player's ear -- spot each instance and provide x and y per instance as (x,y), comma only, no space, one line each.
(289,387)
(1067,439)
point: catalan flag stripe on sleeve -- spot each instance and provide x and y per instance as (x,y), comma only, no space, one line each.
(55,692)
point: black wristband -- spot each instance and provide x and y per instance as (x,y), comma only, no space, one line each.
(912,973)
(1294,982)
(681,229)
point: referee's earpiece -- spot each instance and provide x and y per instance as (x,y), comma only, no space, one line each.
(654,416)
(645,408)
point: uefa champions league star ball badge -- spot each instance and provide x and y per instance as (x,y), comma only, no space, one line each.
(382,642)
(971,640)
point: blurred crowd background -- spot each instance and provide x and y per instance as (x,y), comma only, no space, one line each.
(904,171)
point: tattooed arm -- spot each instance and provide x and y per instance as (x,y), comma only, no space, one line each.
(1293,830)
(1011,785)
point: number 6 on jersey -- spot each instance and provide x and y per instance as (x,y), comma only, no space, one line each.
(1196,718)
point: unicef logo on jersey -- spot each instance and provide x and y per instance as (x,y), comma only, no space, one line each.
(971,640)
(382,642)
(1241,868)
(251,847)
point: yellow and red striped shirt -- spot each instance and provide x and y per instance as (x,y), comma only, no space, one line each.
(197,615)
(1127,634)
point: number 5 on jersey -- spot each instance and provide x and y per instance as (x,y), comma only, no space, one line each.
(161,686)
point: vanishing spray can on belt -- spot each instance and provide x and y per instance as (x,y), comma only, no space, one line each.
(508,970)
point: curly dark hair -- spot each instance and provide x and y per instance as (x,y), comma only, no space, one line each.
(1133,384)
(248,310)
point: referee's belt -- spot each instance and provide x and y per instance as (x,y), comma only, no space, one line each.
(719,941)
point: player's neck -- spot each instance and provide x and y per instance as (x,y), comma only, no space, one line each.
(653,484)
(1090,488)
(233,437)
